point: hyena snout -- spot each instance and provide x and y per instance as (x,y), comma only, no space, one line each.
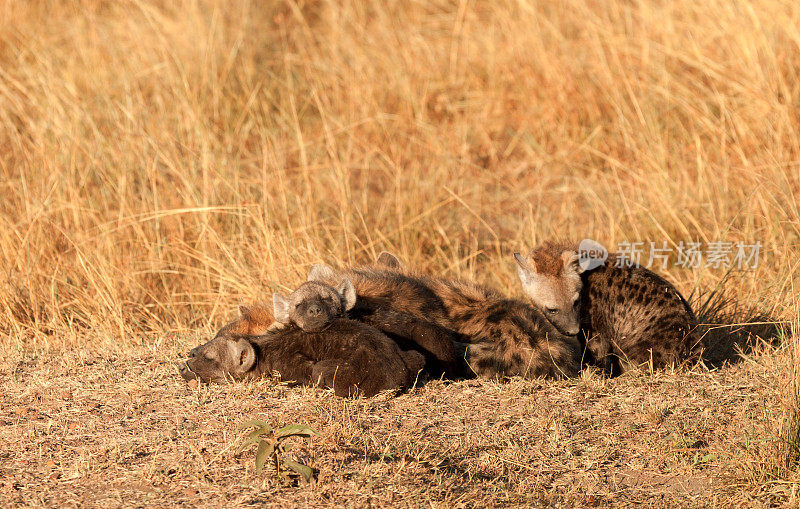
(186,372)
(314,317)
(567,322)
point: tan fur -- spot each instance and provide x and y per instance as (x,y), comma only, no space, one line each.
(254,320)
(314,305)
(549,258)
(388,260)
(551,278)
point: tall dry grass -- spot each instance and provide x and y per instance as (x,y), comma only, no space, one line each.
(161,162)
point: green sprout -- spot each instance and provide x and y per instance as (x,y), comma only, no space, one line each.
(272,444)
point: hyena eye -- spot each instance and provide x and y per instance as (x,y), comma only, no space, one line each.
(552,311)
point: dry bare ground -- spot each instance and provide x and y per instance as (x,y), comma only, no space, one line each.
(162,162)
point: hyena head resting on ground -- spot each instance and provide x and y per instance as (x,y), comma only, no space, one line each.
(230,355)
(552,280)
(314,305)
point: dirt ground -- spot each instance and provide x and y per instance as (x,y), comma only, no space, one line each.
(78,428)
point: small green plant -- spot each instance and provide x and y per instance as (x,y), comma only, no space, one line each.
(272,444)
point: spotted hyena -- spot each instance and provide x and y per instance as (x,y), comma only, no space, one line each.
(628,316)
(350,357)
(501,336)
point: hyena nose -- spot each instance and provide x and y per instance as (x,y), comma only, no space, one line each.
(186,372)
(314,310)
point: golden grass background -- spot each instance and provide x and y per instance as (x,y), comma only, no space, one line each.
(161,162)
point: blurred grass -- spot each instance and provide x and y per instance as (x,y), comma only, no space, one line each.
(161,162)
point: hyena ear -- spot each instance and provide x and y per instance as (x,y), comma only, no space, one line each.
(320,272)
(348,293)
(522,261)
(244,311)
(243,355)
(388,260)
(571,261)
(523,268)
(280,308)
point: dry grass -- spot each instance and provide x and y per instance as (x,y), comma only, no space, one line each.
(161,162)
(119,430)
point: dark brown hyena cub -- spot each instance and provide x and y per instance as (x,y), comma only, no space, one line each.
(502,337)
(314,305)
(629,316)
(350,357)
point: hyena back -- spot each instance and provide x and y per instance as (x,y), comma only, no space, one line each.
(503,337)
(628,316)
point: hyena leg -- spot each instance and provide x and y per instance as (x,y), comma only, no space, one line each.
(434,341)
(338,375)
(599,348)
(414,361)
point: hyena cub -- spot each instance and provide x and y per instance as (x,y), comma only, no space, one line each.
(350,357)
(628,316)
(502,337)
(315,305)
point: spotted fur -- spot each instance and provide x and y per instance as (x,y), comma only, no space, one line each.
(629,316)
(501,336)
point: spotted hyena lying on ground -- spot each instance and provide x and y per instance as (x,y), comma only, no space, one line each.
(502,336)
(629,316)
(348,356)
(314,305)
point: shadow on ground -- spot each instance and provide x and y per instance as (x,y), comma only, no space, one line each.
(730,328)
